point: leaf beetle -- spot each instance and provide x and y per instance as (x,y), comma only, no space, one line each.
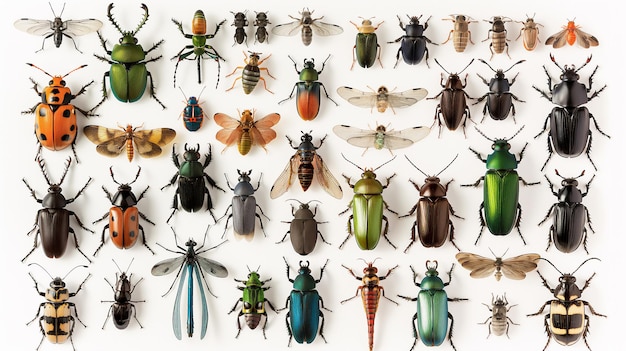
(122,307)
(366,49)
(128,76)
(413,42)
(124,227)
(303,230)
(53,220)
(499,101)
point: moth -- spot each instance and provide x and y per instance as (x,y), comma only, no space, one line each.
(112,142)
(512,268)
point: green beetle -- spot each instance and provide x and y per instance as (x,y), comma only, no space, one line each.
(128,76)
(500,210)
(366,49)
(253,300)
(366,220)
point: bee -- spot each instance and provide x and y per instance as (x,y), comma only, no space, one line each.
(381,137)
(112,142)
(307,25)
(246,132)
(571,34)
(512,268)
(382,98)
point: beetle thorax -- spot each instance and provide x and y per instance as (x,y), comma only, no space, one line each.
(304,281)
(570,193)
(54,198)
(569,74)
(124,197)
(432,281)
(433,188)
(567,290)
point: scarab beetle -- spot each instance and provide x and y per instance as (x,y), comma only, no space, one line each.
(303,230)
(413,43)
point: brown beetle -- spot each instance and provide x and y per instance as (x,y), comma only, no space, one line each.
(460,33)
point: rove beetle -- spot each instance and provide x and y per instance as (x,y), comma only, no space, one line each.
(570,123)
(57,323)
(243,207)
(123,226)
(128,76)
(303,230)
(499,98)
(567,321)
(53,220)
(366,49)
(122,307)
(452,106)
(500,205)
(413,43)
(570,216)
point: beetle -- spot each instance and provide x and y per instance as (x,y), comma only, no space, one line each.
(55,125)
(570,123)
(199,47)
(433,210)
(193,114)
(303,230)
(413,42)
(453,104)
(305,306)
(502,210)
(366,220)
(497,34)
(57,322)
(53,219)
(243,207)
(499,101)
(124,227)
(570,216)
(128,75)
(460,33)
(567,321)
(57,28)
(308,90)
(366,49)
(253,302)
(190,264)
(371,291)
(251,73)
(432,313)
(240,23)
(191,180)
(499,323)
(122,307)
(530,32)
(307,25)
(260,22)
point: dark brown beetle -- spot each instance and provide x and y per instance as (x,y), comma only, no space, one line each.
(303,230)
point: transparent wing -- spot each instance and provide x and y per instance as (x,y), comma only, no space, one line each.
(325,29)
(211,267)
(557,40)
(288,29)
(517,267)
(167,266)
(356,136)
(284,180)
(406,98)
(205,309)
(325,178)
(405,137)
(357,97)
(176,312)
(82,27)
(479,266)
(33,26)
(585,39)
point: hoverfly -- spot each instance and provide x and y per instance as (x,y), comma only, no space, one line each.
(306,163)
(309,26)
(245,131)
(112,142)
(381,98)
(58,28)
(512,268)
(381,137)
(570,34)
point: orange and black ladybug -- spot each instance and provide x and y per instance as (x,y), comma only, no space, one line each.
(55,123)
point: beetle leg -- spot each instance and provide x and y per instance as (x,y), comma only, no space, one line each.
(450,332)
(547,328)
(101,238)
(321,332)
(349,227)
(548,214)
(550,152)
(321,236)
(597,127)
(385,230)
(239,324)
(518,221)
(355,295)
(589,305)
(143,236)
(482,221)
(76,242)
(290,95)
(451,230)
(588,151)
(289,327)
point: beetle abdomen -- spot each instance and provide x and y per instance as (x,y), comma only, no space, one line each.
(244,216)
(567,322)
(250,78)
(57,322)
(433,221)
(569,131)
(432,316)
(501,195)
(124,227)
(304,315)
(569,226)
(54,226)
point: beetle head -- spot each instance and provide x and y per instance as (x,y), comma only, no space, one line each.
(570,73)
(304,268)
(192,154)
(127,36)
(306,137)
(431,268)
(254,58)
(244,176)
(569,181)
(124,186)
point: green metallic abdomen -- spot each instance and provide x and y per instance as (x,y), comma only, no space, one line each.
(432,316)
(367,224)
(366,48)
(129,84)
(501,195)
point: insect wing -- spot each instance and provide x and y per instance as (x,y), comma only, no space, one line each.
(33,26)
(479,266)
(232,129)
(262,132)
(288,29)
(517,267)
(357,97)
(211,267)
(205,309)
(82,27)
(325,178)
(356,136)
(284,180)
(406,98)
(110,142)
(150,141)
(167,266)
(325,29)
(557,40)
(176,312)
(405,138)
(585,39)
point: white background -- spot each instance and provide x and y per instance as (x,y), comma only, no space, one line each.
(345,327)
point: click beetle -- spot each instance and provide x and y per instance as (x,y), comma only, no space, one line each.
(570,216)
(303,230)
(497,34)
(452,106)
(567,321)
(128,75)
(499,323)
(243,207)
(305,306)
(191,180)
(253,302)
(122,307)
(366,49)
(432,224)
(432,313)
(499,97)
(413,42)
(570,123)
(124,227)
(500,205)
(53,220)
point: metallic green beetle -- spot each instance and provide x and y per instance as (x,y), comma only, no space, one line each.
(502,210)
(253,302)
(366,48)
(128,76)
(366,220)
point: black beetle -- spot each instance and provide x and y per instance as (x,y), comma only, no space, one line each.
(413,45)
(261,23)
(240,22)
(53,220)
(453,106)
(243,207)
(499,320)
(433,222)
(122,307)
(567,321)
(499,98)
(303,230)
(570,132)
(191,181)
(568,230)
